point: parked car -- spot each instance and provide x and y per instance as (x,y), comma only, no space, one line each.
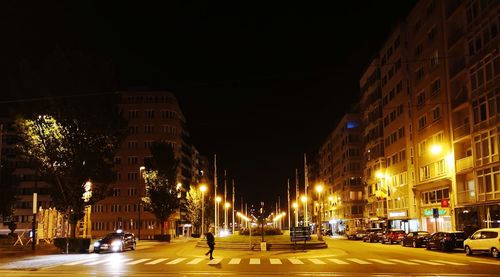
(359,234)
(115,242)
(415,239)
(393,236)
(373,235)
(484,240)
(446,241)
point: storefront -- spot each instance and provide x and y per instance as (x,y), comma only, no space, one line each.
(442,223)
(398,219)
(470,219)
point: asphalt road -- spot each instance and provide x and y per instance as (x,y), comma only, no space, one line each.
(342,257)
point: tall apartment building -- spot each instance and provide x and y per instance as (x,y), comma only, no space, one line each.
(472,42)
(375,212)
(344,193)
(152,116)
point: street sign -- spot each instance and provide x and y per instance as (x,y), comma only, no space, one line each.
(435,212)
(445,203)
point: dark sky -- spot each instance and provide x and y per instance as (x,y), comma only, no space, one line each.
(259,83)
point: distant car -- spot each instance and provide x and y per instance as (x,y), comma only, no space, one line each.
(446,241)
(115,242)
(393,236)
(484,240)
(415,239)
(359,234)
(372,235)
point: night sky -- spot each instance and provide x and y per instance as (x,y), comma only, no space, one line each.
(259,83)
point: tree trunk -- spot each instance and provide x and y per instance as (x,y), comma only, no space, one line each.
(75,229)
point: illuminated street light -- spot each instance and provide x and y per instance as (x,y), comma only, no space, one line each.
(436,149)
(319,188)
(203,188)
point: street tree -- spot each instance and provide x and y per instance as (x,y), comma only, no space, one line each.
(162,195)
(193,205)
(67,153)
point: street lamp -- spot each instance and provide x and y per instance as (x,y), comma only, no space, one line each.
(203,188)
(319,189)
(226,208)
(295,206)
(217,201)
(141,169)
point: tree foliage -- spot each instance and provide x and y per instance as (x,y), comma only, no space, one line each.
(193,205)
(68,153)
(160,177)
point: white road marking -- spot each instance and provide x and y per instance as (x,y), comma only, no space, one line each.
(176,261)
(139,261)
(317,261)
(402,262)
(235,261)
(196,261)
(275,261)
(215,261)
(380,261)
(358,261)
(82,261)
(482,262)
(295,261)
(99,262)
(254,261)
(337,261)
(119,261)
(425,262)
(157,261)
(446,262)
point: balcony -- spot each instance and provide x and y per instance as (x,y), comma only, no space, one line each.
(457,66)
(461,131)
(464,164)
(455,36)
(466,197)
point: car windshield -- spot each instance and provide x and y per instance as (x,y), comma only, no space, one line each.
(460,235)
(112,236)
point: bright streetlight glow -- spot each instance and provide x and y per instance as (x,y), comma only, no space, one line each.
(330,198)
(295,205)
(227,205)
(436,149)
(203,188)
(303,198)
(379,174)
(319,188)
(218,199)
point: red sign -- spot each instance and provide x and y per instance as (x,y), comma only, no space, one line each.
(445,203)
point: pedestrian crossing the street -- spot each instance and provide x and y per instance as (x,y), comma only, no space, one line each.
(267,261)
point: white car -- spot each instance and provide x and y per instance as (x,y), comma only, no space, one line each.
(484,240)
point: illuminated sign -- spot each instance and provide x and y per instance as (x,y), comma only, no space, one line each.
(397,214)
(428,212)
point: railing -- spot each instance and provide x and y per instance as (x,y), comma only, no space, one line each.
(465,197)
(455,36)
(461,131)
(457,66)
(463,164)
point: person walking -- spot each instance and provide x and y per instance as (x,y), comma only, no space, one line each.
(211,243)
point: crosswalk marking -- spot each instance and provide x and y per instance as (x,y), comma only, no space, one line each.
(317,261)
(215,261)
(235,261)
(380,261)
(195,261)
(425,262)
(337,261)
(275,261)
(157,261)
(446,262)
(483,262)
(295,261)
(81,261)
(99,262)
(139,261)
(120,261)
(254,261)
(402,262)
(358,261)
(176,261)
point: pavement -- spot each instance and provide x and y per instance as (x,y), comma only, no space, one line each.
(181,258)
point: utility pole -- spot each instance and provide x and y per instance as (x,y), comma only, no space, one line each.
(225,202)
(288,193)
(232,208)
(297,196)
(306,183)
(216,218)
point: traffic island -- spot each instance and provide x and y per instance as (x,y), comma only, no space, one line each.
(272,243)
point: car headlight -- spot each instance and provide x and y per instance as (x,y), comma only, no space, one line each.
(116,243)
(97,244)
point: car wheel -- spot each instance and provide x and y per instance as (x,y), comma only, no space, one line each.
(468,251)
(391,241)
(442,247)
(495,253)
(97,251)
(402,243)
(428,246)
(133,246)
(414,244)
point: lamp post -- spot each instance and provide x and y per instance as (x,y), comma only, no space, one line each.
(139,190)
(295,206)
(226,208)
(203,188)
(319,189)
(303,198)
(217,201)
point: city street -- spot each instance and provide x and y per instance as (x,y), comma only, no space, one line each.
(342,257)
